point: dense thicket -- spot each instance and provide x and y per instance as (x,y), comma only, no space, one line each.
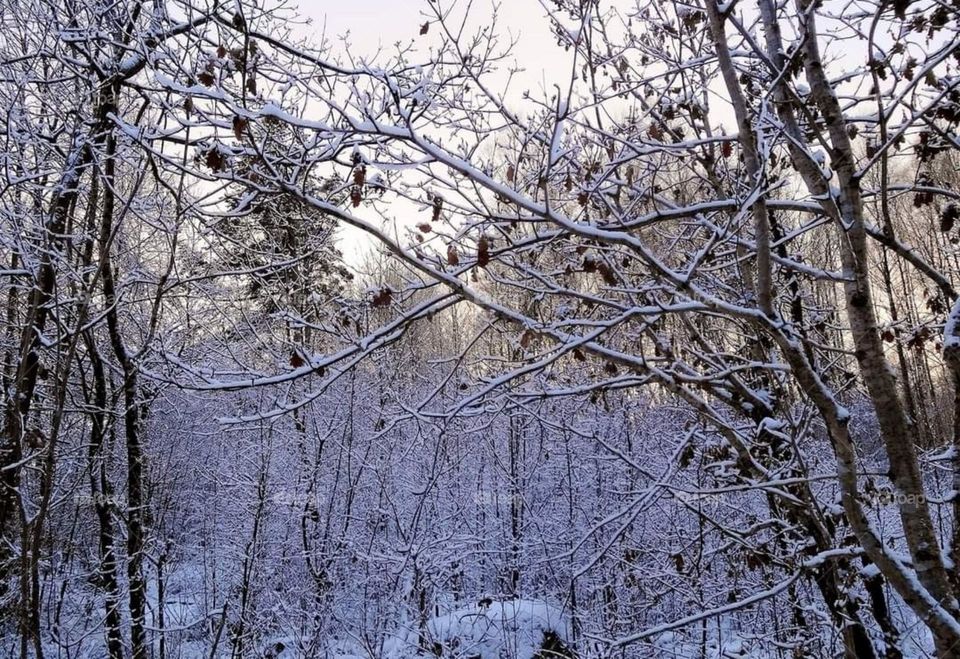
(661,359)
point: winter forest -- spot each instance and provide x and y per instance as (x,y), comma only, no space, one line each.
(641,341)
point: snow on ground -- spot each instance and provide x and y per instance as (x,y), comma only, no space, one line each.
(496,630)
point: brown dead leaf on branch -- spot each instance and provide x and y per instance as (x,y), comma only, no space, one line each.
(383,298)
(215,160)
(483,252)
(239,126)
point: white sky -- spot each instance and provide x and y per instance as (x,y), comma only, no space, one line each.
(372,23)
